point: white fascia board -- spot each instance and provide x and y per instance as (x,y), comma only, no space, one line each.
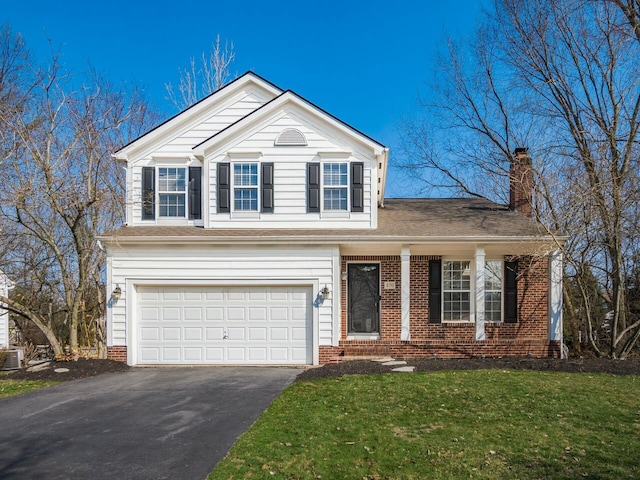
(258,116)
(191,116)
(524,244)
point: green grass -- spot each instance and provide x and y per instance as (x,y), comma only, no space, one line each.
(9,388)
(485,424)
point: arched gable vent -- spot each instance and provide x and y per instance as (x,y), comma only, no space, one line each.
(291,136)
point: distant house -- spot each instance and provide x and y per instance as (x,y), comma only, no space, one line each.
(257,232)
(5,285)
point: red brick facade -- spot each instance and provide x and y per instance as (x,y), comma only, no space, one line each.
(119,354)
(529,336)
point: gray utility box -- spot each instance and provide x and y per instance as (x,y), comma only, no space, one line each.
(13,360)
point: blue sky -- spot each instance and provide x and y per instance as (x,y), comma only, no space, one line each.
(363,61)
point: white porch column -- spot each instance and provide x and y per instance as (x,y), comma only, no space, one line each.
(480,259)
(555,297)
(405,294)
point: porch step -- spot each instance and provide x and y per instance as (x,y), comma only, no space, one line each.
(407,368)
(393,363)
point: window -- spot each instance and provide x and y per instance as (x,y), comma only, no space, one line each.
(456,291)
(335,182)
(245,187)
(172,191)
(493,291)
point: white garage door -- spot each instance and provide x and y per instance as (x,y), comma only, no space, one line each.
(224,325)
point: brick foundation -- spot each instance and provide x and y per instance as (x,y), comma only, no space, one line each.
(119,354)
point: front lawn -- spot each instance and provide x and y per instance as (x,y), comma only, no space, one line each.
(9,388)
(458,424)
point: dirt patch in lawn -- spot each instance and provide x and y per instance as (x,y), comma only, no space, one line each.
(63,371)
(572,365)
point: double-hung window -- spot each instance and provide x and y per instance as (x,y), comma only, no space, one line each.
(456,291)
(335,185)
(245,187)
(172,191)
(493,270)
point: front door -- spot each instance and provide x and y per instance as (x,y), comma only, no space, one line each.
(364,298)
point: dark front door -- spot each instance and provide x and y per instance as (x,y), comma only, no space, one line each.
(364,297)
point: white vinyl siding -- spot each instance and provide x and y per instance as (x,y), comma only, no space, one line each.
(240,106)
(290,179)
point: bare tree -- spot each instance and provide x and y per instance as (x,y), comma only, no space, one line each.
(202,78)
(562,77)
(60,189)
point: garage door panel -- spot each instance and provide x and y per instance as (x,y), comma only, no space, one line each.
(150,333)
(150,354)
(193,354)
(218,325)
(236,314)
(192,333)
(168,295)
(258,314)
(171,314)
(150,313)
(170,354)
(236,354)
(259,333)
(170,333)
(214,333)
(214,314)
(193,313)
(279,334)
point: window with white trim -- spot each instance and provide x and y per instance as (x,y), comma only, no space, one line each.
(456,290)
(245,187)
(335,183)
(172,192)
(493,271)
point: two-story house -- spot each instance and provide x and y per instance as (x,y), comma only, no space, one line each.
(257,232)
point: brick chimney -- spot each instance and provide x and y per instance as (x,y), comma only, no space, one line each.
(521,183)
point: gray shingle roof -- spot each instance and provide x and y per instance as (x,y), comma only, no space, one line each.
(399,220)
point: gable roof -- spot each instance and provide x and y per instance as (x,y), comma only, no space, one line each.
(246,79)
(401,220)
(277,102)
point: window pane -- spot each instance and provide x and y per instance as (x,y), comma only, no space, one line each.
(245,174)
(171,179)
(172,205)
(335,174)
(493,291)
(245,199)
(493,306)
(493,275)
(335,198)
(456,283)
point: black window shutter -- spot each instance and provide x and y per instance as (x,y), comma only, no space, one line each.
(195,193)
(148,193)
(357,187)
(267,187)
(435,291)
(224,187)
(511,292)
(313,187)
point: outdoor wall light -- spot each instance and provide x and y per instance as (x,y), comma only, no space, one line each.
(325,292)
(117,293)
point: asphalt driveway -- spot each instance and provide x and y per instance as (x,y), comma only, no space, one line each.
(146,423)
